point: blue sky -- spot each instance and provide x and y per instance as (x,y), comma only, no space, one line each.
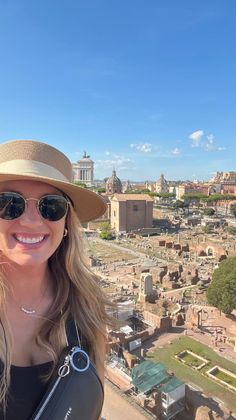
(144,86)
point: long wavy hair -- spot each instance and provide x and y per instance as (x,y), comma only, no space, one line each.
(76,293)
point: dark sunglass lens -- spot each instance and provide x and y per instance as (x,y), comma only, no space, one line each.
(12,205)
(53,207)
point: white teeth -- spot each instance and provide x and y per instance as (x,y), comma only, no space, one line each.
(29,240)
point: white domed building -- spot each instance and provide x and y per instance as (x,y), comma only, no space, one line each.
(83,170)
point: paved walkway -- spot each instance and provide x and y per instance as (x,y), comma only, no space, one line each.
(117,406)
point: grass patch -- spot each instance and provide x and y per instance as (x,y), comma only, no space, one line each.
(191,360)
(107,253)
(224,377)
(167,353)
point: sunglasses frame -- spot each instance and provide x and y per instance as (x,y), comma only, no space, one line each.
(38,200)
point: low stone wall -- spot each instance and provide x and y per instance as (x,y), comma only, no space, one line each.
(117,377)
(182,353)
(227,372)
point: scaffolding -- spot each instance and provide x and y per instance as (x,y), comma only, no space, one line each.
(148,375)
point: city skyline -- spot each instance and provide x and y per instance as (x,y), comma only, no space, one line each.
(144,89)
(157,178)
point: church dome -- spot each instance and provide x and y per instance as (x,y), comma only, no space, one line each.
(113,184)
(162,185)
(161,180)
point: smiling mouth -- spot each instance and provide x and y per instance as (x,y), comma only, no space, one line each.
(29,239)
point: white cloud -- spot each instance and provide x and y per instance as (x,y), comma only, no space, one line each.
(196,138)
(210,146)
(206,142)
(107,153)
(175,151)
(210,137)
(116,161)
(142,147)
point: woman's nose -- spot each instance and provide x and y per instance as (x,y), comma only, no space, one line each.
(31,214)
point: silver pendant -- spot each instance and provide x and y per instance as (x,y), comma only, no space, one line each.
(28,311)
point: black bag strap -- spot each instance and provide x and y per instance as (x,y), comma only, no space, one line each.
(74,336)
(72,332)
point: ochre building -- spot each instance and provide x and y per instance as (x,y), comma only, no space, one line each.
(131,212)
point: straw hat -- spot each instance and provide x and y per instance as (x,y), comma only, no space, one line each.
(36,161)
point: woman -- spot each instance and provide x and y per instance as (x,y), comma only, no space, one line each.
(44,278)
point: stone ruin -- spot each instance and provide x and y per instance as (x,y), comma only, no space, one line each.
(146,291)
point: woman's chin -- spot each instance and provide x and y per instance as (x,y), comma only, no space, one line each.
(25,260)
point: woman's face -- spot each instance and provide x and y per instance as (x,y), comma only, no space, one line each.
(29,239)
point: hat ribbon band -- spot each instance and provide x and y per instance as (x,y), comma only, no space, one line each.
(33,168)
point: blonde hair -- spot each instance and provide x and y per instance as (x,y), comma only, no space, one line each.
(76,293)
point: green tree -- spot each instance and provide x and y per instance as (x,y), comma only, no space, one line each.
(179,204)
(193,197)
(166,195)
(105,226)
(153,194)
(207,229)
(222,291)
(214,199)
(233,209)
(209,211)
(99,189)
(106,232)
(106,235)
(231,230)
(144,191)
(80,184)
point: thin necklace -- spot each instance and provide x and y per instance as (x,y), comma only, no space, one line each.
(31,311)
(28,311)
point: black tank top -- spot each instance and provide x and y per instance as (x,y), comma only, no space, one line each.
(28,384)
(27,388)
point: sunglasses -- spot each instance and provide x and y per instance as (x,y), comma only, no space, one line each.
(50,207)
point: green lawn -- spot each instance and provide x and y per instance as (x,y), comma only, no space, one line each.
(189,375)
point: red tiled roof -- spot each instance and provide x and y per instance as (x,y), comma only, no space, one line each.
(129,197)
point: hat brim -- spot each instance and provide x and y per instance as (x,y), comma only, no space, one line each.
(87,204)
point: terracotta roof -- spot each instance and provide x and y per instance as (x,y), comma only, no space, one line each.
(139,186)
(129,197)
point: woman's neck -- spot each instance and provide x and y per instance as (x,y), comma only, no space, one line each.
(23,282)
